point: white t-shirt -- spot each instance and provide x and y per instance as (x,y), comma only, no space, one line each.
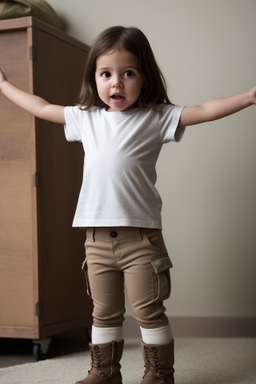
(121,150)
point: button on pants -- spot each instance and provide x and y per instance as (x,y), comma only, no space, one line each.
(135,258)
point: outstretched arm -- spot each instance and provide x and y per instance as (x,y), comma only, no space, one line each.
(217,109)
(31,103)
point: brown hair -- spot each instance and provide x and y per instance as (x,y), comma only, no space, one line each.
(133,40)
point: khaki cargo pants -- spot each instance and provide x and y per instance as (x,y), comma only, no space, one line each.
(133,257)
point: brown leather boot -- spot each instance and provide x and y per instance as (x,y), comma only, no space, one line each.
(105,360)
(159,360)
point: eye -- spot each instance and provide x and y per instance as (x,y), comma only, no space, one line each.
(129,73)
(106,74)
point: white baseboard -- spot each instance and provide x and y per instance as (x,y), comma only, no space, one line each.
(201,327)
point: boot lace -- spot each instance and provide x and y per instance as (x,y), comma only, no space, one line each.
(155,361)
(146,360)
(96,361)
(152,362)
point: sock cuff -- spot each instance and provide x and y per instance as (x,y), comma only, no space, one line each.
(160,336)
(106,335)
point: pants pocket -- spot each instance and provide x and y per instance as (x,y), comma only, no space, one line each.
(162,279)
(154,239)
(87,282)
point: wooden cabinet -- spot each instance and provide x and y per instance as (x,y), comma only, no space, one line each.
(42,289)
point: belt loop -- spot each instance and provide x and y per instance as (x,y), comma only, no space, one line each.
(90,234)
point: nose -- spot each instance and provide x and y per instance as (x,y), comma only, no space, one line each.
(117,83)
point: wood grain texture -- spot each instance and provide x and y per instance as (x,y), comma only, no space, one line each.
(40,252)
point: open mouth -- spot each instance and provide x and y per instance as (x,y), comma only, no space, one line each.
(117,97)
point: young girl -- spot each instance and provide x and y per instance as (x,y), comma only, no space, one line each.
(123,117)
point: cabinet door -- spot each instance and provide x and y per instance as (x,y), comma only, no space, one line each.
(42,290)
(18,262)
(63,302)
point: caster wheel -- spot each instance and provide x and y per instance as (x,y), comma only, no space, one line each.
(39,354)
(41,350)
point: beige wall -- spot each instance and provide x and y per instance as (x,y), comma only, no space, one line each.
(206,49)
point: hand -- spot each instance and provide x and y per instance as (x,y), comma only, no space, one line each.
(2,77)
(252,95)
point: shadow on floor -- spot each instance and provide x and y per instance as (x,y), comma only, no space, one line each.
(20,351)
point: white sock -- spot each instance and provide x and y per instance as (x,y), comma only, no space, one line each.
(161,336)
(106,335)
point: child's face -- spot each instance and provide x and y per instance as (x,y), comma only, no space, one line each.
(118,79)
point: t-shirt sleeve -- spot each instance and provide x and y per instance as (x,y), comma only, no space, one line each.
(72,128)
(169,123)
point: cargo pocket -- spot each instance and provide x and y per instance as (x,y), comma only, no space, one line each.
(161,277)
(87,282)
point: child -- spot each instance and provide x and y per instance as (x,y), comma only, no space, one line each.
(123,117)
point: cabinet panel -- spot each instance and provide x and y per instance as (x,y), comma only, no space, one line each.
(42,289)
(16,193)
(16,266)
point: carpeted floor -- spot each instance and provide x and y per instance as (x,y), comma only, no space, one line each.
(198,361)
